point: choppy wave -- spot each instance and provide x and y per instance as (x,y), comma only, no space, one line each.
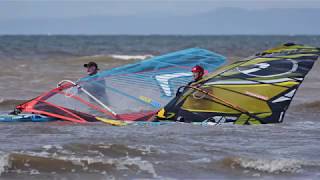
(112,159)
(10,103)
(308,107)
(275,166)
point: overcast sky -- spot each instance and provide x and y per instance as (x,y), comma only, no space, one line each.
(159,17)
(10,9)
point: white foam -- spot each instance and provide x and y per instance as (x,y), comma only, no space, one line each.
(48,147)
(4,162)
(148,149)
(272,166)
(130,57)
(104,146)
(120,163)
(202,160)
(22,65)
(143,165)
(34,171)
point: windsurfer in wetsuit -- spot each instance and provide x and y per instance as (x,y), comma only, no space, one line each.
(95,84)
(92,68)
(197,73)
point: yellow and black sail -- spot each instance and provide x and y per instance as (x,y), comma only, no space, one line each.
(257,90)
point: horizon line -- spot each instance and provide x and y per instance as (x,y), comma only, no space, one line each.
(89,34)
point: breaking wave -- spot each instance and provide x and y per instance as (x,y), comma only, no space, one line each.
(112,57)
(104,159)
(4,163)
(275,166)
(131,57)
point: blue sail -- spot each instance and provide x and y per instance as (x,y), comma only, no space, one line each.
(151,83)
(128,92)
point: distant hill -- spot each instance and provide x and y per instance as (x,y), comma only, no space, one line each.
(220,21)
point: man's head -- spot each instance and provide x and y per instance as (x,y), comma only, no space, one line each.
(92,68)
(197,72)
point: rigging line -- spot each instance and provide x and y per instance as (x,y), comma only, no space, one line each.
(87,103)
(260,82)
(241,93)
(153,86)
(125,94)
(97,100)
(143,76)
(231,66)
(108,73)
(126,85)
(129,96)
(151,74)
(130,79)
(174,66)
(151,82)
(303,55)
(80,119)
(90,95)
(151,78)
(156,88)
(56,116)
(293,61)
(180,55)
(228,104)
(224,101)
(257,81)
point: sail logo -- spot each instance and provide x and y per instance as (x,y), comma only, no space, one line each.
(270,68)
(164,79)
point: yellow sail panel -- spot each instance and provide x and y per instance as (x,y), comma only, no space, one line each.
(259,60)
(221,70)
(256,90)
(243,119)
(222,96)
(298,55)
(259,91)
(207,105)
(286,48)
(263,115)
